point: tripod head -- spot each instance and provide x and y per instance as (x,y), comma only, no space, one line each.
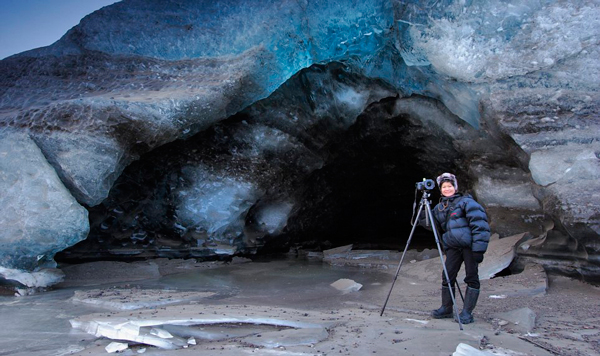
(424,187)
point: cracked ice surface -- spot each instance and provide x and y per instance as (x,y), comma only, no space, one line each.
(150,327)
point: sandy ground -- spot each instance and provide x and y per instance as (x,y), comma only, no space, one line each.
(287,307)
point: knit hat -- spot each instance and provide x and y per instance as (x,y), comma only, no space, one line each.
(447,177)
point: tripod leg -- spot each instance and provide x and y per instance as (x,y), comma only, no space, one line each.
(459,291)
(402,258)
(437,241)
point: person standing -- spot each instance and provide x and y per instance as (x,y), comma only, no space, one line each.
(465,237)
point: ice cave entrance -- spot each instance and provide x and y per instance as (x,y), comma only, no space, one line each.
(372,181)
(363,194)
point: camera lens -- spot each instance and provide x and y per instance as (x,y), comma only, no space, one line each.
(429,184)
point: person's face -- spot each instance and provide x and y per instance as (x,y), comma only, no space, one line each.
(448,189)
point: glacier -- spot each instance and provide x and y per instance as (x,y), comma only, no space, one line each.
(38,215)
(239,104)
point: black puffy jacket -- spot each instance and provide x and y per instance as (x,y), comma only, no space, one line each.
(463,221)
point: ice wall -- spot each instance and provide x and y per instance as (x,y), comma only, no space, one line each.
(214,204)
(232,187)
(294,34)
(139,74)
(38,215)
(492,40)
(191,64)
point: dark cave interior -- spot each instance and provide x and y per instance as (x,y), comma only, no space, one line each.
(363,194)
(370,191)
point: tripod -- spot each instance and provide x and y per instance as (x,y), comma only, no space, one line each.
(429,220)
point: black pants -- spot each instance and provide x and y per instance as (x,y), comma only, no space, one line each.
(454,258)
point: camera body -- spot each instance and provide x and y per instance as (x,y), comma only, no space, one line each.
(426,184)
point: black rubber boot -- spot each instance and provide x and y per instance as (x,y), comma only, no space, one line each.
(445,311)
(466,316)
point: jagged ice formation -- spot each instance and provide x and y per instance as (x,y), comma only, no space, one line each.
(203,128)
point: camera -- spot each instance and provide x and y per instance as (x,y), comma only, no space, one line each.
(426,184)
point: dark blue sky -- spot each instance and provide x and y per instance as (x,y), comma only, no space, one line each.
(28,24)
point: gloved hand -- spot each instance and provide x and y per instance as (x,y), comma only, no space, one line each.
(478,256)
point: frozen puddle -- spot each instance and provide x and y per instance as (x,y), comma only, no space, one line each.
(179,326)
(135,298)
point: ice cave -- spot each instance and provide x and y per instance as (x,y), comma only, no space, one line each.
(213,130)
